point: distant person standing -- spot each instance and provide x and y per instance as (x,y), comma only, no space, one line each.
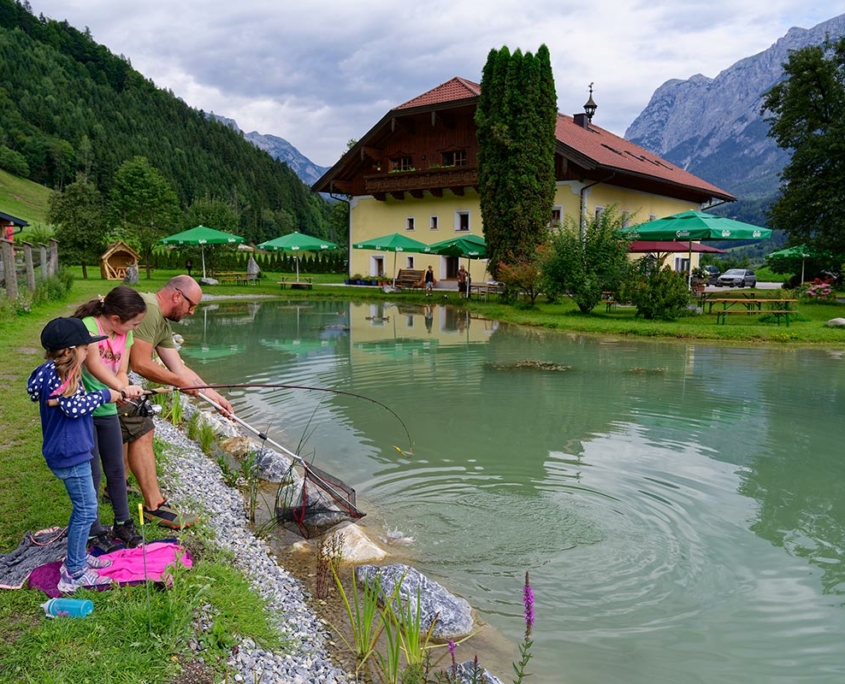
(188,266)
(429,281)
(462,279)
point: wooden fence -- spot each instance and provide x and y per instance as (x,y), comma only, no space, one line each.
(25,265)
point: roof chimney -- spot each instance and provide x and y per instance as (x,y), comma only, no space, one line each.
(581,120)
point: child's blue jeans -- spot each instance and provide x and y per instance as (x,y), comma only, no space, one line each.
(80,489)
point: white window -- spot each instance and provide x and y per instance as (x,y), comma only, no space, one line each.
(433,224)
(557,217)
(409,262)
(462,221)
(626,219)
(409,223)
(599,212)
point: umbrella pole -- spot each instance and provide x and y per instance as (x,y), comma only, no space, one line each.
(297,268)
(802,271)
(689,267)
(202,251)
(394,270)
(469,278)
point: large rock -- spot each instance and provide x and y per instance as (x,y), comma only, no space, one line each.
(453,614)
(470,673)
(358,547)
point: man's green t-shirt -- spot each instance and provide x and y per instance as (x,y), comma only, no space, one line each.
(154,327)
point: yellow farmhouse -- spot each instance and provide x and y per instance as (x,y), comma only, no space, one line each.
(416,172)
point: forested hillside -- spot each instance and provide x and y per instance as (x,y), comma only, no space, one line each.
(68,105)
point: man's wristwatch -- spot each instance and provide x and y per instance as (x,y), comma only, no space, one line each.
(123,395)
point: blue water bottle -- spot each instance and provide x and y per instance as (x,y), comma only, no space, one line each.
(65,607)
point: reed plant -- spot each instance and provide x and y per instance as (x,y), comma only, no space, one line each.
(207,437)
(192,428)
(362,612)
(250,479)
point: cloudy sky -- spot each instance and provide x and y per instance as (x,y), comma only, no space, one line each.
(320,72)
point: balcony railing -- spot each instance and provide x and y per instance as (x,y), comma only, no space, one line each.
(427,179)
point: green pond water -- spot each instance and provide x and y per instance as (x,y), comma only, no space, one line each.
(680,507)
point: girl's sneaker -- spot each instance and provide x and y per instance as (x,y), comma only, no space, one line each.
(97,563)
(127,533)
(87,578)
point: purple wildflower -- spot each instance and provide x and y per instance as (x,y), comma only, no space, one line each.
(452,649)
(528,601)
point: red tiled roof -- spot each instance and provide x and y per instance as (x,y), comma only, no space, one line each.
(454,89)
(610,151)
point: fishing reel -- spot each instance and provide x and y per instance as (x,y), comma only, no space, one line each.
(145,408)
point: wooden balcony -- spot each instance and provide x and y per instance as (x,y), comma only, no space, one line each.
(454,178)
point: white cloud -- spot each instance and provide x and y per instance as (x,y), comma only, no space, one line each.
(319,73)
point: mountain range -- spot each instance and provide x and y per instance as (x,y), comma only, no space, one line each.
(713,127)
(280,149)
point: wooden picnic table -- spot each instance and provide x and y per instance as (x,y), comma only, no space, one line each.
(301,284)
(779,308)
(486,289)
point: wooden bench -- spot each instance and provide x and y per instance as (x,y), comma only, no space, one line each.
(721,316)
(410,279)
(301,284)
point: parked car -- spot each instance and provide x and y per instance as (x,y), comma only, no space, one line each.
(713,273)
(737,277)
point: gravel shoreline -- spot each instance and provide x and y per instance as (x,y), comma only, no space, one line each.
(195,481)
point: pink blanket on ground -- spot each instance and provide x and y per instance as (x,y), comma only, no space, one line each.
(127,567)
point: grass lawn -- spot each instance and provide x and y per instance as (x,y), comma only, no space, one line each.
(23,198)
(114,643)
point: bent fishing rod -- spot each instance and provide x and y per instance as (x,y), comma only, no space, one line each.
(408,454)
(248,385)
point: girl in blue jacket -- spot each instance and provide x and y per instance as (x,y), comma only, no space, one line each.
(67,429)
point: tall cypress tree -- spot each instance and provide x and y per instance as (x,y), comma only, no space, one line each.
(516,118)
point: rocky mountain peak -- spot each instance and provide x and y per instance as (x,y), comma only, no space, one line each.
(713,127)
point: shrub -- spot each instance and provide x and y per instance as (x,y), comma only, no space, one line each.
(657,292)
(586,264)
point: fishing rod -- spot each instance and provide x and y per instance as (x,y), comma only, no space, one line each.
(408,454)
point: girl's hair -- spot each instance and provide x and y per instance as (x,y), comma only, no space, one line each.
(122,301)
(68,368)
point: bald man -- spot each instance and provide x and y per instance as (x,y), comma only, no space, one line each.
(177,299)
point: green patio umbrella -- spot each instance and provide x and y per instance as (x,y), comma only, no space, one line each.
(696,225)
(202,236)
(797,252)
(466,246)
(395,242)
(296,242)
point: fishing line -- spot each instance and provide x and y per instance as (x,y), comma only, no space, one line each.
(408,454)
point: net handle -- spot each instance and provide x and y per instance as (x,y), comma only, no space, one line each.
(338,497)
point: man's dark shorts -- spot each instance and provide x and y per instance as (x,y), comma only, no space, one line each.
(133,426)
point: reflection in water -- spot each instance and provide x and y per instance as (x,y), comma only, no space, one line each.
(680,506)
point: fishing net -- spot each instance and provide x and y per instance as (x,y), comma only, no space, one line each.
(314,503)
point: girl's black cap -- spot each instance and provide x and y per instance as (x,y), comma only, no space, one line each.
(64,333)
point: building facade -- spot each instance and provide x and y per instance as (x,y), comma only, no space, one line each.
(416,172)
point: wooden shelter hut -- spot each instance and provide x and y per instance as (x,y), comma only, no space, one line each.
(116,259)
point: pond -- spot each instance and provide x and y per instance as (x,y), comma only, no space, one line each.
(680,507)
